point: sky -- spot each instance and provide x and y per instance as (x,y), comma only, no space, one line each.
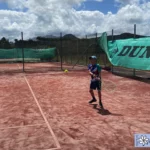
(79,17)
(104,6)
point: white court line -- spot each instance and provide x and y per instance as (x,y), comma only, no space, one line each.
(14,127)
(42,113)
(53,149)
(45,119)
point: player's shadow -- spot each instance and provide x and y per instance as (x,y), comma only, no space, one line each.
(104,111)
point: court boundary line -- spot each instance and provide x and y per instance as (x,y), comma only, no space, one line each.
(53,149)
(42,113)
(14,127)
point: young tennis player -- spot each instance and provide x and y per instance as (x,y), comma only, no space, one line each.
(95,72)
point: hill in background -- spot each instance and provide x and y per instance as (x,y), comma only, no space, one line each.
(69,36)
(123,36)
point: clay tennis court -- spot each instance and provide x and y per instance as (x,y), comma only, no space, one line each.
(47,111)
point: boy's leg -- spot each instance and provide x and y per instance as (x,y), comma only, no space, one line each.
(93,96)
(100,98)
(99,94)
(92,93)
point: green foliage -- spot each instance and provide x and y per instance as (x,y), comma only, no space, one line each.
(4,43)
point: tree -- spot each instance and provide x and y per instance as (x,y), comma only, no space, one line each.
(4,43)
(16,42)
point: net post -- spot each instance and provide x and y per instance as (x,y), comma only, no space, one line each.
(134,70)
(22,50)
(61,50)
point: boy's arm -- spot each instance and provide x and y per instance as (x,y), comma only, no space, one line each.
(90,73)
(99,71)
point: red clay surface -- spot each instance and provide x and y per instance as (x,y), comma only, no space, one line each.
(21,124)
(77,125)
(10,67)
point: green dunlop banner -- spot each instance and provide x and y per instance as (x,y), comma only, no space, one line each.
(129,53)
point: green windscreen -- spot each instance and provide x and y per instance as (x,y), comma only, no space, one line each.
(29,54)
(129,53)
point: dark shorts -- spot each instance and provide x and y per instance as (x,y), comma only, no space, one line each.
(95,85)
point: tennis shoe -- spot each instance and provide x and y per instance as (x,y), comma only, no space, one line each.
(92,101)
(101,105)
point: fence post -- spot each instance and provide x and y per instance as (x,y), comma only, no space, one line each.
(57,53)
(70,53)
(71,57)
(112,67)
(112,35)
(22,50)
(61,50)
(134,30)
(96,44)
(134,70)
(96,38)
(87,50)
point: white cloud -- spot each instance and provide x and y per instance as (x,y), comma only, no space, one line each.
(54,16)
(124,2)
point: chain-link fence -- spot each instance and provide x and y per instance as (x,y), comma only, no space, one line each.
(61,51)
(77,50)
(126,33)
(38,54)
